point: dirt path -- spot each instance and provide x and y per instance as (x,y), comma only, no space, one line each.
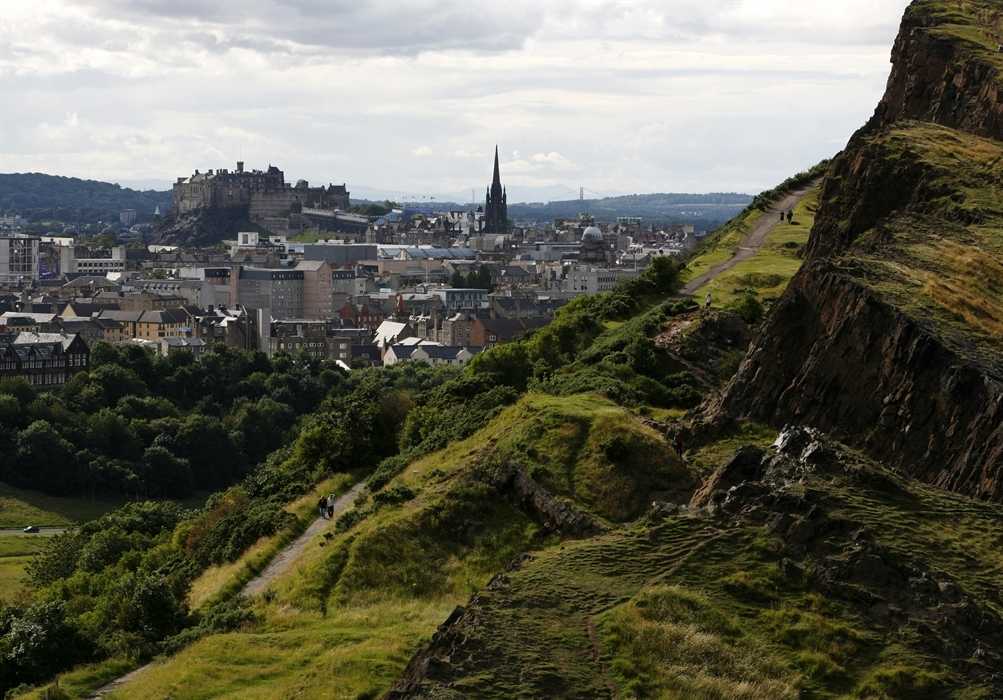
(282,562)
(288,556)
(752,242)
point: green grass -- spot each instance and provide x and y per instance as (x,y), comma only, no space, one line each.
(19,507)
(721,245)
(81,682)
(937,258)
(706,458)
(356,606)
(15,553)
(767,273)
(226,579)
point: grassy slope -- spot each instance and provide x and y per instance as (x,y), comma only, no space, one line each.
(768,272)
(358,605)
(974,26)
(941,261)
(226,578)
(721,245)
(697,607)
(19,508)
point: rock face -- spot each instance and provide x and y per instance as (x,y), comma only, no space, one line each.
(834,356)
(839,351)
(204,227)
(937,78)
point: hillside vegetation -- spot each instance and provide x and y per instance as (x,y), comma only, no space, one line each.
(42,197)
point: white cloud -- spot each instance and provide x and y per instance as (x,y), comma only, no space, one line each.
(645,95)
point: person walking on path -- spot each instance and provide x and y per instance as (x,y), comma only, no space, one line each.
(330,505)
(322,506)
(790,216)
(707,301)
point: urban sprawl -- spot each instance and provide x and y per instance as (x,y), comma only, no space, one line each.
(312,278)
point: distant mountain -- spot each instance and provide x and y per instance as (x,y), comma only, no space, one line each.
(702,210)
(39,197)
(699,209)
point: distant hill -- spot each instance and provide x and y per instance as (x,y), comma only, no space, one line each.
(703,210)
(699,209)
(39,197)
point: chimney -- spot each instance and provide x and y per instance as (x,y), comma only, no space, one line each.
(240,166)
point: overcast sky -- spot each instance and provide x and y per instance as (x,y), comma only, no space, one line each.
(408,97)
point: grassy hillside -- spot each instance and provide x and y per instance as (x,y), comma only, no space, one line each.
(358,604)
(767,273)
(772,602)
(939,259)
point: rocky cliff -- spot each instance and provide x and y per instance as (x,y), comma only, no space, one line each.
(946,67)
(889,337)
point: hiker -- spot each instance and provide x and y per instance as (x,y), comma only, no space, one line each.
(678,443)
(782,215)
(706,302)
(790,216)
(330,505)
(322,506)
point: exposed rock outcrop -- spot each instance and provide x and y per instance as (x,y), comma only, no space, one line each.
(942,78)
(847,351)
(835,356)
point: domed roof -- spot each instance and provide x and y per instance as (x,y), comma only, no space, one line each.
(592,233)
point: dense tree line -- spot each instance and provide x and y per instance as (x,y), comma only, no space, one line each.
(143,426)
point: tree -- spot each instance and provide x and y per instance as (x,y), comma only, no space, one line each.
(214,458)
(45,459)
(165,475)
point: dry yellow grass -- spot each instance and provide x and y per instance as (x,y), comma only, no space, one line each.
(216,579)
(969,284)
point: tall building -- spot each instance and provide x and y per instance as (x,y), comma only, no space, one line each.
(496,206)
(18,259)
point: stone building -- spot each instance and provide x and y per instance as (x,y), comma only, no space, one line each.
(265,196)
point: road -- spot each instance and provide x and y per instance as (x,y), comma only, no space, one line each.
(282,562)
(752,242)
(42,531)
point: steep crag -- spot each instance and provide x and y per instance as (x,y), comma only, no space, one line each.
(889,337)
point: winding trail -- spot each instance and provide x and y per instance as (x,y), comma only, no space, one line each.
(280,564)
(284,560)
(753,241)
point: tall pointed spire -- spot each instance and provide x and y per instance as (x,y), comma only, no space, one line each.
(496,204)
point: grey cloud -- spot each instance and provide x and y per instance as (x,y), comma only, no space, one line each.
(384,26)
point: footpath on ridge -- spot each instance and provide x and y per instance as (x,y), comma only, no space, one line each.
(279,565)
(284,560)
(751,244)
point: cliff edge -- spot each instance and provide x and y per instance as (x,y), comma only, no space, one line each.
(890,335)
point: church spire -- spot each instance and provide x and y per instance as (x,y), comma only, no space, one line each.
(496,204)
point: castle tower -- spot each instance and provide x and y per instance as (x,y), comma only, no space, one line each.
(496,204)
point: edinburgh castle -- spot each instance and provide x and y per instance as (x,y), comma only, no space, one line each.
(264,197)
